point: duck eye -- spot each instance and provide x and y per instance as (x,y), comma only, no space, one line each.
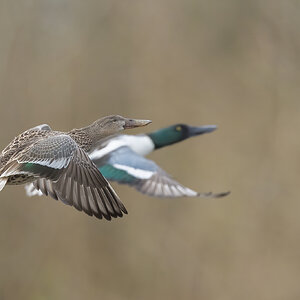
(178,128)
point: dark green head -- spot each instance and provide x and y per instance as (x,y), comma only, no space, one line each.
(176,133)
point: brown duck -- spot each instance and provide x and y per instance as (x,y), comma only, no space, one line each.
(58,165)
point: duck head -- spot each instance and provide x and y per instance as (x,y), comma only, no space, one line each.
(113,124)
(176,133)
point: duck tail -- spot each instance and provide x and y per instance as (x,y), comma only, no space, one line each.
(31,190)
(3,181)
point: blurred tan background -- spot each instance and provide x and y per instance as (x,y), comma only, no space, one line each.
(231,63)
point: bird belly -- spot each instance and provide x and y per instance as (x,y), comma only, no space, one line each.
(19,179)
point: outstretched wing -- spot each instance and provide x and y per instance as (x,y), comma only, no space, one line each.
(28,135)
(22,141)
(65,172)
(125,166)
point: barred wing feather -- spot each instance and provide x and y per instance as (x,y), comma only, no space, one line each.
(65,172)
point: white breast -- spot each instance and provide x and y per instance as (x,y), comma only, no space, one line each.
(141,144)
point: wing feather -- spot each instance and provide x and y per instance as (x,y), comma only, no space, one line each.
(125,166)
(65,172)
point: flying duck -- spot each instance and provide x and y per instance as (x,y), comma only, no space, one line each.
(121,159)
(58,165)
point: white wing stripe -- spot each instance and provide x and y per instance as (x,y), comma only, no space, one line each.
(51,163)
(142,174)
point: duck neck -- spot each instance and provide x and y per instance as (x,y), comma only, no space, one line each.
(164,137)
(82,138)
(87,137)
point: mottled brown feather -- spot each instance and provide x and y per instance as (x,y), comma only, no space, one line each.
(58,166)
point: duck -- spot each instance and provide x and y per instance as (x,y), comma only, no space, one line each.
(57,164)
(122,159)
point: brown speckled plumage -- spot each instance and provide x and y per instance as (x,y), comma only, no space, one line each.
(58,165)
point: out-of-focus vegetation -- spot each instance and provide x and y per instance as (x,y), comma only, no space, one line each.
(231,63)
